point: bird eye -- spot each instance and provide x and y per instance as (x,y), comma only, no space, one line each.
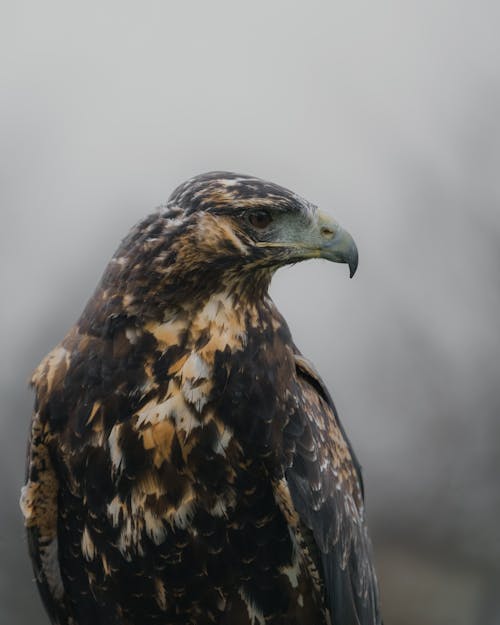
(260,219)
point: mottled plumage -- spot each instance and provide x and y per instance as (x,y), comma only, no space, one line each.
(186,463)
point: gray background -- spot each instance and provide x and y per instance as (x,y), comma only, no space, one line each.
(384,113)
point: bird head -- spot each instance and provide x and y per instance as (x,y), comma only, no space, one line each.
(259,224)
(223,230)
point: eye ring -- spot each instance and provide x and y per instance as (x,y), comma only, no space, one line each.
(260,219)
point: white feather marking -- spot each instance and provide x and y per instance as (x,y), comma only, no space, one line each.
(292,572)
(254,614)
(166,333)
(174,222)
(195,368)
(88,547)
(117,458)
(25,502)
(193,371)
(50,366)
(154,527)
(151,413)
(133,334)
(219,509)
(175,408)
(223,441)
(181,517)
(58,355)
(219,308)
(184,417)
(211,309)
(115,509)
(196,395)
(130,536)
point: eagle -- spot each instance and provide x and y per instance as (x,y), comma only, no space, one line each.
(186,464)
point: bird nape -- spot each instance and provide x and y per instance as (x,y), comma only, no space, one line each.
(186,462)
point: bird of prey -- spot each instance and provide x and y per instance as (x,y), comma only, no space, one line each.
(186,463)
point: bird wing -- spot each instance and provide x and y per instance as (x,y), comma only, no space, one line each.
(325,489)
(51,530)
(39,504)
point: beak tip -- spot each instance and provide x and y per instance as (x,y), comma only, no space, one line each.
(353,263)
(340,249)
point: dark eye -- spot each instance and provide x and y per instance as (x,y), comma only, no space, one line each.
(260,219)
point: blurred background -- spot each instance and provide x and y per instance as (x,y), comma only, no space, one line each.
(384,113)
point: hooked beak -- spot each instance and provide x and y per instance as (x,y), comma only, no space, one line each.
(323,238)
(336,244)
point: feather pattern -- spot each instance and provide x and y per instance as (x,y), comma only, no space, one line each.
(186,463)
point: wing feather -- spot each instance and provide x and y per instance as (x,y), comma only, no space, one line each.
(39,504)
(325,484)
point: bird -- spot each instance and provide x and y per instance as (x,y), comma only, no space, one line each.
(186,463)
